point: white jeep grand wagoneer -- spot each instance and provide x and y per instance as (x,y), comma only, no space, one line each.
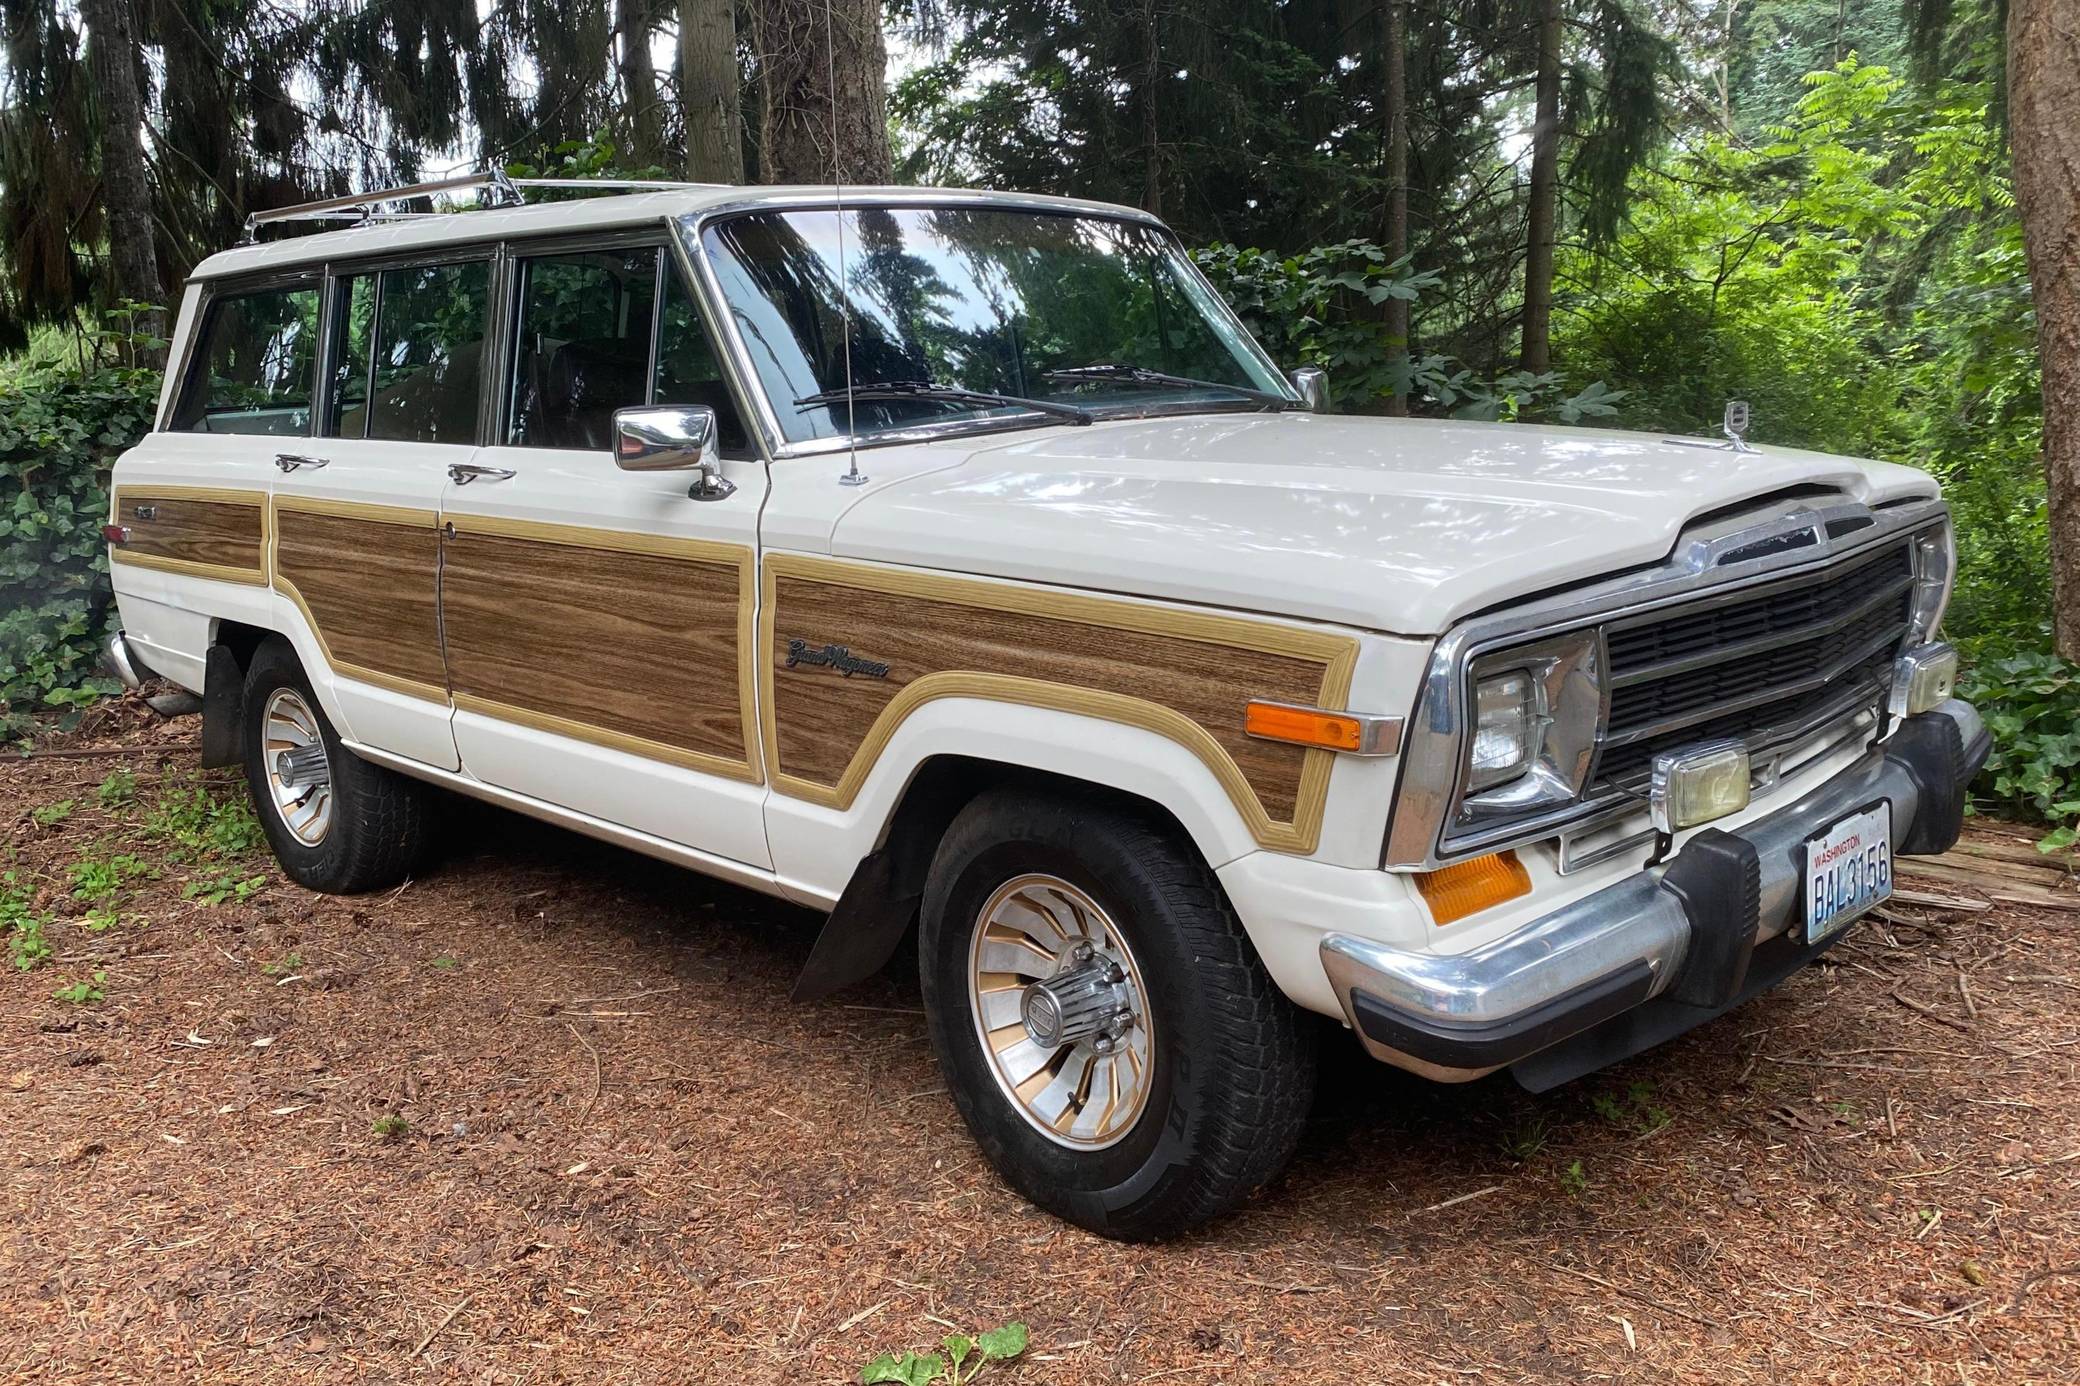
(956,560)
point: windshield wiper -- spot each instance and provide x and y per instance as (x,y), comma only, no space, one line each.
(924,389)
(1158,380)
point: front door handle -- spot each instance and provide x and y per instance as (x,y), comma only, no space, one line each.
(290,461)
(463,473)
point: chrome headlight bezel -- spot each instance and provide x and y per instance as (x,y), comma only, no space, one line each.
(1563,712)
(1935,577)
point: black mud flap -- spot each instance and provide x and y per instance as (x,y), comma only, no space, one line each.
(863,932)
(223,708)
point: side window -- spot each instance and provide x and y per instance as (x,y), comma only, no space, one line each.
(256,367)
(411,352)
(689,372)
(583,349)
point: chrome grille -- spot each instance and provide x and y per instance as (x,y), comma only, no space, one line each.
(1762,666)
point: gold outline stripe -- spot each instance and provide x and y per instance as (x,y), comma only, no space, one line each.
(190,567)
(717,552)
(1338,655)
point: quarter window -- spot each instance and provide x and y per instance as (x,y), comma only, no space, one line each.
(257,365)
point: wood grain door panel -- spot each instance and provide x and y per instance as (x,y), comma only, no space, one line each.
(364,576)
(624,639)
(202,531)
(1185,675)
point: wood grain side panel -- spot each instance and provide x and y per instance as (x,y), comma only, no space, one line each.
(193,530)
(823,718)
(613,645)
(368,588)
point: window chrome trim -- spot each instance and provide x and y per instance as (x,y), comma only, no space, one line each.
(1695,575)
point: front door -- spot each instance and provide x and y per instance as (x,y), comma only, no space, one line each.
(597,621)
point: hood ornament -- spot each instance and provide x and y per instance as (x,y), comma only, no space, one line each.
(1735,427)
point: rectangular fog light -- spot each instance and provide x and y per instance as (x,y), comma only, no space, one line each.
(1922,679)
(1698,784)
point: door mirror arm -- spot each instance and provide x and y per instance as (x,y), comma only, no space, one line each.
(1312,385)
(671,438)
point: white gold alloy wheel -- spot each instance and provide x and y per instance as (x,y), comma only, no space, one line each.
(1060,1011)
(299,775)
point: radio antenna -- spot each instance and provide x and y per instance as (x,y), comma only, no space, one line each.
(853,475)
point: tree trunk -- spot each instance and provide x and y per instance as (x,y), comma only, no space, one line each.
(708,94)
(1394,61)
(1151,116)
(823,107)
(2043,92)
(1545,195)
(639,82)
(132,254)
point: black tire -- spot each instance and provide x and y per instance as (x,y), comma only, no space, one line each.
(1233,1065)
(377,832)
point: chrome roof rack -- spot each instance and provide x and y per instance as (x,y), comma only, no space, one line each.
(498,191)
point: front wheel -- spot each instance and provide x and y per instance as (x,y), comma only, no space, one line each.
(337,823)
(1105,1027)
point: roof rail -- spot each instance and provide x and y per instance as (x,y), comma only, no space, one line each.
(498,189)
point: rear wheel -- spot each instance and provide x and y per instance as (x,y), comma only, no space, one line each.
(1106,1029)
(337,823)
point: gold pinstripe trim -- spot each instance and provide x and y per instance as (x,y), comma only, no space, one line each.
(738,556)
(403,516)
(188,567)
(1338,655)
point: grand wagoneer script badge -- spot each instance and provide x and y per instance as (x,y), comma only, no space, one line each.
(833,657)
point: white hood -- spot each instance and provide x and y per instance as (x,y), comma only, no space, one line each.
(1398,525)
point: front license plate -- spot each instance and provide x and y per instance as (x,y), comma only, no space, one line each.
(1848,870)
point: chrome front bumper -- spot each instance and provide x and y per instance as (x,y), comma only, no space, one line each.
(1658,952)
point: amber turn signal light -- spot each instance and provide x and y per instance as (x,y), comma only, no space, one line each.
(1453,892)
(1355,733)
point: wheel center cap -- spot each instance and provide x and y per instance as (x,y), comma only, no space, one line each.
(1078,1003)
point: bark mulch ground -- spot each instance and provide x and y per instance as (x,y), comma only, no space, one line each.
(545,1114)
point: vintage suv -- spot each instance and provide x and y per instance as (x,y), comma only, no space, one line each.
(956,560)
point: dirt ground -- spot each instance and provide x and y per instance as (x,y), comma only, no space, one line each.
(545,1114)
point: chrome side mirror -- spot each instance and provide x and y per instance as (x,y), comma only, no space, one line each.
(670,438)
(1313,384)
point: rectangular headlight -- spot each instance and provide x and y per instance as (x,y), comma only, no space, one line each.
(1505,723)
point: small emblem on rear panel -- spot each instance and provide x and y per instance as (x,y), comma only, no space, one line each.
(801,652)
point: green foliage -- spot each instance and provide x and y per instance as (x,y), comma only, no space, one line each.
(1574,1181)
(923,1369)
(217,887)
(58,435)
(101,879)
(27,947)
(1320,308)
(2031,703)
(389,1127)
(118,789)
(52,814)
(197,824)
(85,993)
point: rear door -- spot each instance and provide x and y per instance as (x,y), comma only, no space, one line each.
(191,499)
(598,622)
(356,515)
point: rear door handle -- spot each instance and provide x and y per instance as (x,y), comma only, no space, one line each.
(290,461)
(463,473)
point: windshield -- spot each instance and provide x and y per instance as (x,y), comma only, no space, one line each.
(984,300)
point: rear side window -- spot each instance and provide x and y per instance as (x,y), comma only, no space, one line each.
(410,353)
(257,365)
